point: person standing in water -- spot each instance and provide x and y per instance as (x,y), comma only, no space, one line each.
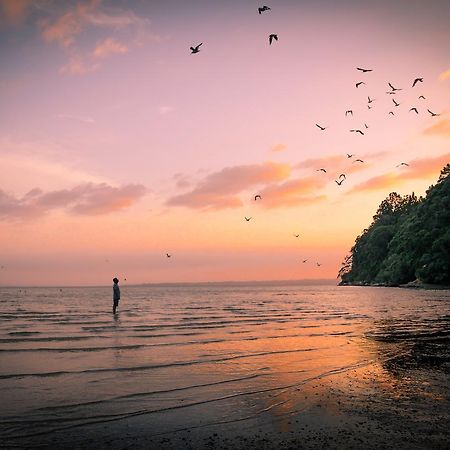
(116,294)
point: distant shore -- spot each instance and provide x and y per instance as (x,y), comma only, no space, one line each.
(411,285)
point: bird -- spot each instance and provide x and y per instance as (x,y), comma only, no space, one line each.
(247,219)
(272,37)
(196,49)
(349,111)
(432,113)
(359,83)
(369,107)
(358,160)
(395,103)
(369,100)
(402,164)
(318,264)
(357,131)
(304,261)
(321,170)
(342,175)
(322,128)
(422,97)
(366,126)
(168,256)
(296,235)
(364,70)
(263,8)
(349,155)
(390,112)
(257,196)
(339,182)
(394,88)
(415,110)
(390,92)
(416,81)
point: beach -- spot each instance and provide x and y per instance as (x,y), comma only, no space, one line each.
(225,366)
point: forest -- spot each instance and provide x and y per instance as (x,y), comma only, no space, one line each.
(408,240)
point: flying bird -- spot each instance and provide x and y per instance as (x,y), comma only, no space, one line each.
(394,88)
(349,111)
(349,156)
(322,128)
(366,126)
(358,160)
(359,83)
(422,97)
(168,256)
(390,112)
(432,113)
(263,8)
(247,219)
(342,175)
(395,103)
(364,70)
(390,92)
(257,196)
(416,81)
(369,100)
(357,131)
(196,49)
(339,182)
(304,261)
(369,107)
(402,164)
(323,170)
(296,235)
(318,264)
(272,37)
(415,110)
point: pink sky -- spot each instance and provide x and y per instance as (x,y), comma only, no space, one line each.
(117,145)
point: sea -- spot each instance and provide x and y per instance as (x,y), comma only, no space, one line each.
(192,355)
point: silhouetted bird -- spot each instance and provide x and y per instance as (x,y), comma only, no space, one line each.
(415,110)
(339,182)
(196,49)
(263,8)
(364,70)
(304,260)
(390,112)
(342,175)
(366,126)
(272,37)
(390,92)
(257,196)
(358,160)
(247,219)
(395,103)
(416,81)
(322,128)
(422,97)
(319,170)
(349,111)
(318,264)
(369,100)
(394,88)
(349,156)
(369,107)
(402,164)
(432,113)
(359,83)
(296,235)
(357,131)
(169,256)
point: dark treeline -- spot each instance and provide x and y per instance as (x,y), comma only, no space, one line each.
(409,239)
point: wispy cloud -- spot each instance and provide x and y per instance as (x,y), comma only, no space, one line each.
(87,120)
(86,199)
(444,75)
(441,128)
(424,168)
(278,147)
(14,11)
(220,190)
(108,47)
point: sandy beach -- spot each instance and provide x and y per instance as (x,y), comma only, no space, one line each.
(259,367)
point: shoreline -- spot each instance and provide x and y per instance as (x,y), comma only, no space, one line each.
(410,285)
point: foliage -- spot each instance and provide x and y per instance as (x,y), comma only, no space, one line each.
(408,239)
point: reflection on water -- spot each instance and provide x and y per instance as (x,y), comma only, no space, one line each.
(190,356)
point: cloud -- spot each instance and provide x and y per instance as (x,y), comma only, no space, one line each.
(87,199)
(108,47)
(441,128)
(14,11)
(87,120)
(78,65)
(293,192)
(334,164)
(424,168)
(444,75)
(278,148)
(220,190)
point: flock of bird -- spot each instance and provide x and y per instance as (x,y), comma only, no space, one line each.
(349,112)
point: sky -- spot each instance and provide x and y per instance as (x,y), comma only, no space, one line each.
(119,146)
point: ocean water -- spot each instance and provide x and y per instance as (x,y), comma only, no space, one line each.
(183,356)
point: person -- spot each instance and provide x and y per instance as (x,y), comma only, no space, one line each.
(116,294)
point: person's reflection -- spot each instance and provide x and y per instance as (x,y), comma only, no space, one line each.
(117,341)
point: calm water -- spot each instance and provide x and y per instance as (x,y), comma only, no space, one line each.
(66,362)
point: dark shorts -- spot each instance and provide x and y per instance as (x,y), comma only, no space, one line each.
(116,302)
